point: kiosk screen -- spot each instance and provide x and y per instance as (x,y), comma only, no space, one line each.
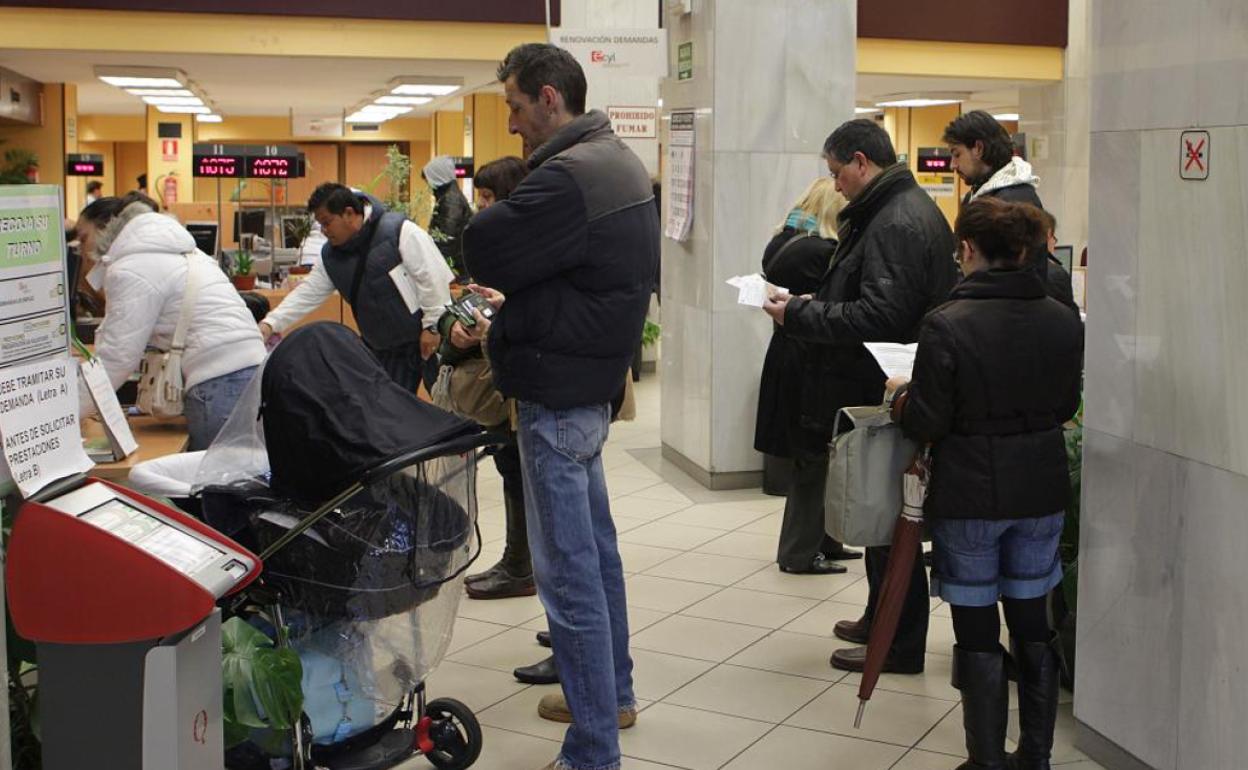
(169,544)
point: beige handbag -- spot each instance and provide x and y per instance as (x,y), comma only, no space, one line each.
(160,377)
(467,389)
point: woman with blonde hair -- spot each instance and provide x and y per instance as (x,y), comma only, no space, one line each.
(796,259)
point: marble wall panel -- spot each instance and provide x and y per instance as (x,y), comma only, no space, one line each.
(1130,614)
(1222,72)
(740,337)
(1193,269)
(686,381)
(1113,249)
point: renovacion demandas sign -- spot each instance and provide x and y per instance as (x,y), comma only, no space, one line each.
(640,52)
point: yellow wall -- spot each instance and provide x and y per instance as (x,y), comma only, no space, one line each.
(489,129)
(75,186)
(112,128)
(249,35)
(911,129)
(878,56)
(131,161)
(47,141)
(157,167)
(448,133)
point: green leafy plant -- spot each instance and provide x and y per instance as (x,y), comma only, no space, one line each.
(650,333)
(262,682)
(243,264)
(16,163)
(299,228)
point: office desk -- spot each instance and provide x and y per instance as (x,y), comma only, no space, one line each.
(156,438)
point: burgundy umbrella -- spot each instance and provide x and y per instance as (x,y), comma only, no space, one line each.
(906,537)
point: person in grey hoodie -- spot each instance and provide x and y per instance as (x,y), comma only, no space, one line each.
(451,211)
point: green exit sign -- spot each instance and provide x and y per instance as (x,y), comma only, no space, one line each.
(684,61)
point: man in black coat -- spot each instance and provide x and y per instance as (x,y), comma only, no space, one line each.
(451,211)
(574,249)
(983,155)
(894,262)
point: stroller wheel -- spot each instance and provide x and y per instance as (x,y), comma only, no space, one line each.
(455,732)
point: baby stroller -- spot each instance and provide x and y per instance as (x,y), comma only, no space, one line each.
(360,500)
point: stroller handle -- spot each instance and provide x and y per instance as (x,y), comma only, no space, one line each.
(457,445)
(454,446)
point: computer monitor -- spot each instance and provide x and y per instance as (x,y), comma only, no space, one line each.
(205,235)
(249,222)
(1065,255)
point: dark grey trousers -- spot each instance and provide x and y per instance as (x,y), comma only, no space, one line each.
(801,534)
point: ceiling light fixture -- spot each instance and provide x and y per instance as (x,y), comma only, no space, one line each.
(425,86)
(404,100)
(1006,116)
(173,101)
(866,110)
(160,92)
(184,109)
(142,77)
(920,100)
(208,119)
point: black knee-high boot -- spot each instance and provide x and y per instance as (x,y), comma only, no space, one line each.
(980,676)
(1038,672)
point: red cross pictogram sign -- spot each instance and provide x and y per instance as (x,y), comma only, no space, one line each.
(1194,155)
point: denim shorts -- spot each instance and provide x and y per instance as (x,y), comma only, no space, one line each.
(975,562)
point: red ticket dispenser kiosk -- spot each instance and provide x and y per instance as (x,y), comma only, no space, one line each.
(119,593)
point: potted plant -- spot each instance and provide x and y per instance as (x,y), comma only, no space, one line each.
(243,275)
(19,167)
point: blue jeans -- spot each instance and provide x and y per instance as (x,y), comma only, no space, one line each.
(977,561)
(208,405)
(580,578)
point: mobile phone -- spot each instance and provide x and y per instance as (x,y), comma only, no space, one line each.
(463,307)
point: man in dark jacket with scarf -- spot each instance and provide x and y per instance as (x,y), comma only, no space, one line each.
(894,262)
(983,155)
(573,253)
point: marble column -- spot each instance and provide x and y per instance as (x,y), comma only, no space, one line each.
(1163,593)
(770,81)
(1057,121)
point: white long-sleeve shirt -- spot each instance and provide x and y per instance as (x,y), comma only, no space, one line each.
(421,259)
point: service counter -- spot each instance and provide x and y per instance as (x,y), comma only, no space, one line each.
(156,438)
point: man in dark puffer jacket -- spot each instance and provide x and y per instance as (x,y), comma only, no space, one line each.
(573,252)
(894,262)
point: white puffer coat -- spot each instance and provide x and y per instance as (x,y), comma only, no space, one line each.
(145,277)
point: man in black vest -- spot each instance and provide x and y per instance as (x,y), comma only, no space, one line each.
(388,270)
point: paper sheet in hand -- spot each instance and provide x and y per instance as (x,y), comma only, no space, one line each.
(407,287)
(896,360)
(753,289)
(120,439)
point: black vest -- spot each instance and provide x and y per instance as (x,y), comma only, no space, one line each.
(379,309)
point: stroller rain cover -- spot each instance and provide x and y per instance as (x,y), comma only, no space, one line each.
(331,414)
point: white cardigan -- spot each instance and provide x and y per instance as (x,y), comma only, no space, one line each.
(144,281)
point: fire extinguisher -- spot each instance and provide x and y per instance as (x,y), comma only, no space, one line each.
(168,185)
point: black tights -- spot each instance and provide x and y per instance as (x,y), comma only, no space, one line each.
(978,629)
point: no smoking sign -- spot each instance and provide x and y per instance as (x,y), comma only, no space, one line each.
(1194,155)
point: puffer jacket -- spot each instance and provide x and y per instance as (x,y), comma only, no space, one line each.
(144,280)
(893,264)
(997,374)
(451,213)
(574,249)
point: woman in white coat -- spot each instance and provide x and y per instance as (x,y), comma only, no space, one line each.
(146,259)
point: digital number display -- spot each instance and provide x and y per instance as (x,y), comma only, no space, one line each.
(935,165)
(84,165)
(226,166)
(271,168)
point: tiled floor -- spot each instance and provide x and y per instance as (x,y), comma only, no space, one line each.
(731,656)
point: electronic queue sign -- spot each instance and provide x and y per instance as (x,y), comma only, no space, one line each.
(226,161)
(934,160)
(84,165)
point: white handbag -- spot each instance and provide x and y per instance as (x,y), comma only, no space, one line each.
(160,377)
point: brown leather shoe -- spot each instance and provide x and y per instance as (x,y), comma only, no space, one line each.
(555,708)
(855,659)
(852,631)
